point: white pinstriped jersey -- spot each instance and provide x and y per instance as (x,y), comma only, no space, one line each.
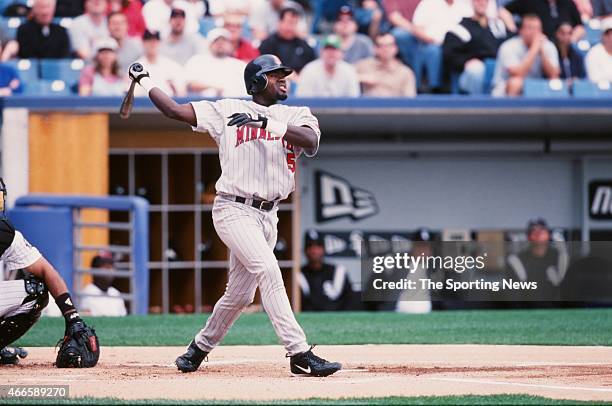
(254,162)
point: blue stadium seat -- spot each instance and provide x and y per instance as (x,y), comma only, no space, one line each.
(207,24)
(68,70)
(544,88)
(10,25)
(27,69)
(588,89)
(593,32)
(47,88)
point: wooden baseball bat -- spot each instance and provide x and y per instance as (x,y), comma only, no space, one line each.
(128,102)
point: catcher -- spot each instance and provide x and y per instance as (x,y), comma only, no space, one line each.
(22,301)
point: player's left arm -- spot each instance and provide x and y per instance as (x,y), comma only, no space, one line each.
(302,136)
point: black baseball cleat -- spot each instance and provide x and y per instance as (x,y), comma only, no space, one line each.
(308,364)
(191,360)
(11,355)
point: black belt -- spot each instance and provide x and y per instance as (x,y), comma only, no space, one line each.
(257,203)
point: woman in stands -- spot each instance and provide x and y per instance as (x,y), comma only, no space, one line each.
(103,77)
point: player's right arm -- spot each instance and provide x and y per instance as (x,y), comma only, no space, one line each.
(44,271)
(163,102)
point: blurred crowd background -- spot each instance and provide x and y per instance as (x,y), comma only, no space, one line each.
(338,48)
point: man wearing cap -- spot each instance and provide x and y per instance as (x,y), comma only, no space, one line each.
(170,74)
(214,74)
(178,45)
(329,75)
(598,61)
(384,75)
(157,13)
(539,262)
(355,46)
(86,29)
(286,44)
(100,298)
(325,286)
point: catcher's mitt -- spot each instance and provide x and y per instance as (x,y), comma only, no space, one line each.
(79,347)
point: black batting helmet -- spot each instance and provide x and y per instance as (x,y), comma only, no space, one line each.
(255,78)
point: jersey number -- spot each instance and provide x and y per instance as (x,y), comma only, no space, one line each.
(291,161)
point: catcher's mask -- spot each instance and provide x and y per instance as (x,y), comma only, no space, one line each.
(255,78)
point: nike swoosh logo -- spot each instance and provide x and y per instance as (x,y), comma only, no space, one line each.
(306,370)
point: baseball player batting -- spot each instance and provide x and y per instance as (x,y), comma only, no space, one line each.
(259,142)
(22,301)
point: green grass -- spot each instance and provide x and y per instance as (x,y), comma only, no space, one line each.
(542,327)
(506,399)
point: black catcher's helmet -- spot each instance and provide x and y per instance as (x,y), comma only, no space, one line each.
(255,78)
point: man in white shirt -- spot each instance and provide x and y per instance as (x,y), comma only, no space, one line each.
(178,45)
(156,14)
(598,61)
(432,20)
(169,74)
(329,75)
(528,55)
(214,74)
(102,299)
(88,28)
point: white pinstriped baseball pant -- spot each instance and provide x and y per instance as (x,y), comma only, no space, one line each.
(250,234)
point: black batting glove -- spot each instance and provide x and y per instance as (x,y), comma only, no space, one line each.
(240,119)
(136,72)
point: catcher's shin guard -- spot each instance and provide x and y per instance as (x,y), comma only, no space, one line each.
(18,322)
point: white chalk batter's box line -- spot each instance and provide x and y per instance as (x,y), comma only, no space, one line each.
(528,385)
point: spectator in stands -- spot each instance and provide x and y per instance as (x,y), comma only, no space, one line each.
(598,60)
(384,75)
(325,286)
(400,14)
(243,49)
(466,47)
(285,43)
(421,45)
(500,20)
(571,62)
(128,48)
(602,8)
(329,75)
(168,75)
(88,28)
(178,45)
(266,15)
(132,9)
(551,13)
(355,46)
(101,298)
(103,77)
(157,14)
(528,55)
(39,37)
(9,80)
(215,74)
(370,17)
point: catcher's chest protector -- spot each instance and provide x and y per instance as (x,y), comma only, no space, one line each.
(7,233)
